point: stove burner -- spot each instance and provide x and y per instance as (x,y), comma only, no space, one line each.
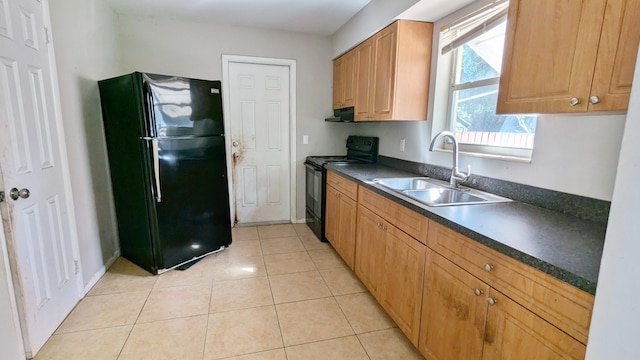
(320,161)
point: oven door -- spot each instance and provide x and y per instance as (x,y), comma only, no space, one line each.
(314,198)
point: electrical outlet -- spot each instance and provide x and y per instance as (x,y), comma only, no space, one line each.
(402,143)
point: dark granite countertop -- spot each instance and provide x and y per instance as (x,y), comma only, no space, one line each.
(563,246)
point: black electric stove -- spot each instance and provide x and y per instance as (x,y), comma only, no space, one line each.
(360,149)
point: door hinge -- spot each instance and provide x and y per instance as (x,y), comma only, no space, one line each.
(77,266)
(1,196)
(46,34)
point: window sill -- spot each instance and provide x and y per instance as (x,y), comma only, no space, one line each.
(518,159)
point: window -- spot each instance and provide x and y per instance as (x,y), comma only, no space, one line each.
(474,46)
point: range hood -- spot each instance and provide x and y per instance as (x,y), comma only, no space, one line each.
(341,115)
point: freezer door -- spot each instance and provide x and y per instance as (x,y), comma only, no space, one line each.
(129,163)
(182,107)
(193,209)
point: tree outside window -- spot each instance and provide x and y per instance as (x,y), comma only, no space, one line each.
(474,95)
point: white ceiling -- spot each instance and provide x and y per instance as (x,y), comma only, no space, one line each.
(433,10)
(323,17)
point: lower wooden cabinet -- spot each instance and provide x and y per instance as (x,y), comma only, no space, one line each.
(453,298)
(513,332)
(340,222)
(454,310)
(370,250)
(391,265)
(464,318)
(562,305)
(401,293)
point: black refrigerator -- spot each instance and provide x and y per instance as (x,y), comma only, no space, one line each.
(166,149)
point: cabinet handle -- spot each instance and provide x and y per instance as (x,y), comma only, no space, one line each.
(594,100)
(488,267)
(492,301)
(574,101)
(478,292)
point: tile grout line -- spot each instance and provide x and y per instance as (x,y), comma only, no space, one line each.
(133,326)
(206,329)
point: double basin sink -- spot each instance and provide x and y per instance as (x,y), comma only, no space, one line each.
(434,192)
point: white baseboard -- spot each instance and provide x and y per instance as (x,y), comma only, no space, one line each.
(98,275)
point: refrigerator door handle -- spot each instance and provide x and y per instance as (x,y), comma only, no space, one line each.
(156,169)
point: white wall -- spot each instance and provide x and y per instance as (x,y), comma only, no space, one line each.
(195,50)
(373,17)
(615,325)
(86,50)
(573,154)
(92,43)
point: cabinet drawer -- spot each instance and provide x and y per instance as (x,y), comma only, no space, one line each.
(559,303)
(409,221)
(343,185)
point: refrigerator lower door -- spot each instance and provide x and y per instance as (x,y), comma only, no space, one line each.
(193,213)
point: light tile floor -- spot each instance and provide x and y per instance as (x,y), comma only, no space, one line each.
(276,293)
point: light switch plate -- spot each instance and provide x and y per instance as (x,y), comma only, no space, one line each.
(305,139)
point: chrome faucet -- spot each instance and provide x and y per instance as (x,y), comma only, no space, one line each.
(456,176)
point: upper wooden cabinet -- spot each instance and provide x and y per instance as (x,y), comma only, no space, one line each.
(390,75)
(364,80)
(344,78)
(564,56)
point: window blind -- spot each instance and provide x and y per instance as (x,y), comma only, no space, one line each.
(461,31)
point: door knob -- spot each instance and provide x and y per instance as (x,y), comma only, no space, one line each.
(15,193)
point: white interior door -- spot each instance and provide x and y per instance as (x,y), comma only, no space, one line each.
(259,115)
(10,334)
(42,241)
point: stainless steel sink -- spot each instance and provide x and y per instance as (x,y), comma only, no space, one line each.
(434,192)
(412,183)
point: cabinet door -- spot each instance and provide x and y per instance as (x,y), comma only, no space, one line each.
(549,55)
(349,75)
(338,82)
(384,73)
(513,332)
(617,54)
(332,217)
(346,231)
(370,249)
(344,80)
(454,307)
(403,280)
(363,61)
